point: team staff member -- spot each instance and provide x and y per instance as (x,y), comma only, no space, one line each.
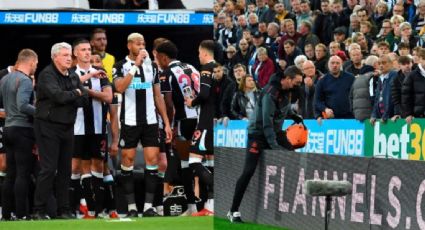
(202,140)
(16,93)
(99,41)
(58,96)
(273,106)
(137,79)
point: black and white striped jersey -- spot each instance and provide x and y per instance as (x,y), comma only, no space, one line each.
(138,105)
(91,118)
(174,79)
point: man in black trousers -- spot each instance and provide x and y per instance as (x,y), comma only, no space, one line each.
(58,96)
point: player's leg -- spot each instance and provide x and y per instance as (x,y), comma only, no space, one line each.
(76,199)
(100,145)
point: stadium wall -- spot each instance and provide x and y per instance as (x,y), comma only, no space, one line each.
(387,193)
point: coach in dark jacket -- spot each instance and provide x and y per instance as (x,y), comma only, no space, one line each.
(57,97)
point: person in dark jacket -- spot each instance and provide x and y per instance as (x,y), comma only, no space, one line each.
(413,91)
(361,102)
(16,93)
(321,53)
(58,94)
(272,108)
(239,71)
(223,82)
(405,63)
(245,99)
(325,23)
(383,106)
(311,76)
(332,92)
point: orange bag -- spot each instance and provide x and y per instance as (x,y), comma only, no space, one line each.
(297,135)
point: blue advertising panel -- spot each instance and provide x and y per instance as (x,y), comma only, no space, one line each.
(105,18)
(335,137)
(234,135)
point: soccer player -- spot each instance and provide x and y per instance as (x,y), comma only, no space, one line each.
(202,140)
(90,130)
(180,79)
(137,79)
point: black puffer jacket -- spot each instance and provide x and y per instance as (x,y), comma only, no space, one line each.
(413,94)
(396,92)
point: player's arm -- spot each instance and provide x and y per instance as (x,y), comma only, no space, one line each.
(105,95)
(206,82)
(160,106)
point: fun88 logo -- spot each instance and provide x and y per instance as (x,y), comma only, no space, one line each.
(138,84)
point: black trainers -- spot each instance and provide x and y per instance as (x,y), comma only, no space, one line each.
(66,215)
(234,217)
(132,214)
(150,213)
(40,216)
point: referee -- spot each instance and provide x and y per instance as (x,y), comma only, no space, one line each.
(58,96)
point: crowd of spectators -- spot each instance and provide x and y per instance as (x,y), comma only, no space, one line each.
(360,59)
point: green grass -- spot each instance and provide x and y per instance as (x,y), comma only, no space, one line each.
(157,223)
(223,224)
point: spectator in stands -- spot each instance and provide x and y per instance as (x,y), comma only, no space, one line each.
(331,98)
(416,59)
(383,48)
(394,60)
(239,71)
(251,8)
(270,13)
(383,107)
(366,28)
(262,28)
(258,41)
(379,14)
(282,14)
(263,67)
(385,32)
(261,8)
(243,53)
(324,24)
(348,10)
(253,22)
(406,64)
(419,20)
(273,37)
(356,58)
(398,9)
(305,12)
(291,52)
(351,47)
(339,37)
(336,9)
(311,76)
(242,25)
(231,58)
(354,24)
(219,25)
(334,47)
(291,33)
(309,52)
(299,61)
(396,20)
(405,36)
(229,7)
(365,45)
(413,91)
(360,99)
(227,36)
(403,49)
(321,54)
(245,99)
(307,37)
(363,16)
(222,83)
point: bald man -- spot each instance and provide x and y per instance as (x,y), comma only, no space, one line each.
(332,92)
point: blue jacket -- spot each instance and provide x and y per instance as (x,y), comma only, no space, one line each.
(386,95)
(334,93)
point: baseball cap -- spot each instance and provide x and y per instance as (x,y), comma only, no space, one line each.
(257,34)
(340,30)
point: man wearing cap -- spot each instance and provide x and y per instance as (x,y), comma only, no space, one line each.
(340,33)
(258,41)
(137,79)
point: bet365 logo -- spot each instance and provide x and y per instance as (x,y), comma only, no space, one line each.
(397,140)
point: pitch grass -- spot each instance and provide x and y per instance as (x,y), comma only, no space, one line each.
(224,224)
(154,223)
(157,223)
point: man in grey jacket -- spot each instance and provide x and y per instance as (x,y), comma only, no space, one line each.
(16,92)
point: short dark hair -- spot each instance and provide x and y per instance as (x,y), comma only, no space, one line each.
(383,43)
(239,65)
(168,48)
(403,60)
(208,45)
(97,31)
(403,45)
(291,72)
(79,41)
(290,42)
(158,41)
